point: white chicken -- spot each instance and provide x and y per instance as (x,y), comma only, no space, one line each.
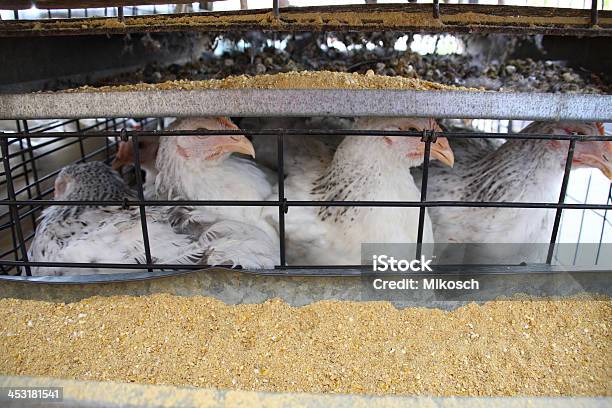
(518,171)
(363,168)
(204,168)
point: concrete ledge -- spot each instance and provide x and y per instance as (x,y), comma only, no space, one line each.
(236,287)
(110,395)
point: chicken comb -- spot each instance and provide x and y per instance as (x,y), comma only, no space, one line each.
(123,155)
(433,125)
(600,127)
(227,123)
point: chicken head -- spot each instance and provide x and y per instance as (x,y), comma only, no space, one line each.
(591,154)
(147,148)
(411,147)
(213,148)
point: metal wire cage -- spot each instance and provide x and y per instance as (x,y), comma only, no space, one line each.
(27,182)
(27,178)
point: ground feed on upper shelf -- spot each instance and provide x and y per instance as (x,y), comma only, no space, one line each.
(500,348)
(296,20)
(456,70)
(287,80)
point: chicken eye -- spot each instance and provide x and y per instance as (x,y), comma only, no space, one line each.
(571,131)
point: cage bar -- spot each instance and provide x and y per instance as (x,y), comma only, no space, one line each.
(427,139)
(143,214)
(13,207)
(562,194)
(282,201)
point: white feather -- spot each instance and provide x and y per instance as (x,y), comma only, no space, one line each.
(109,235)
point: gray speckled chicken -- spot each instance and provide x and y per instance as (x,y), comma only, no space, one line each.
(111,234)
(518,171)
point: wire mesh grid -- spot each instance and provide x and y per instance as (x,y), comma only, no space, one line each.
(28,187)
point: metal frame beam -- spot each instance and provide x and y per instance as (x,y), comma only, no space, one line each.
(461,18)
(299,102)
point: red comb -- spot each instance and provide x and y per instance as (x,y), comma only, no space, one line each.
(433,125)
(226,122)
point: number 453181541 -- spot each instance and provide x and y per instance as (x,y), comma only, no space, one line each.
(31,393)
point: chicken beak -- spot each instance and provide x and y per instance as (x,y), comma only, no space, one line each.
(123,156)
(595,154)
(117,164)
(608,172)
(228,144)
(442,151)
